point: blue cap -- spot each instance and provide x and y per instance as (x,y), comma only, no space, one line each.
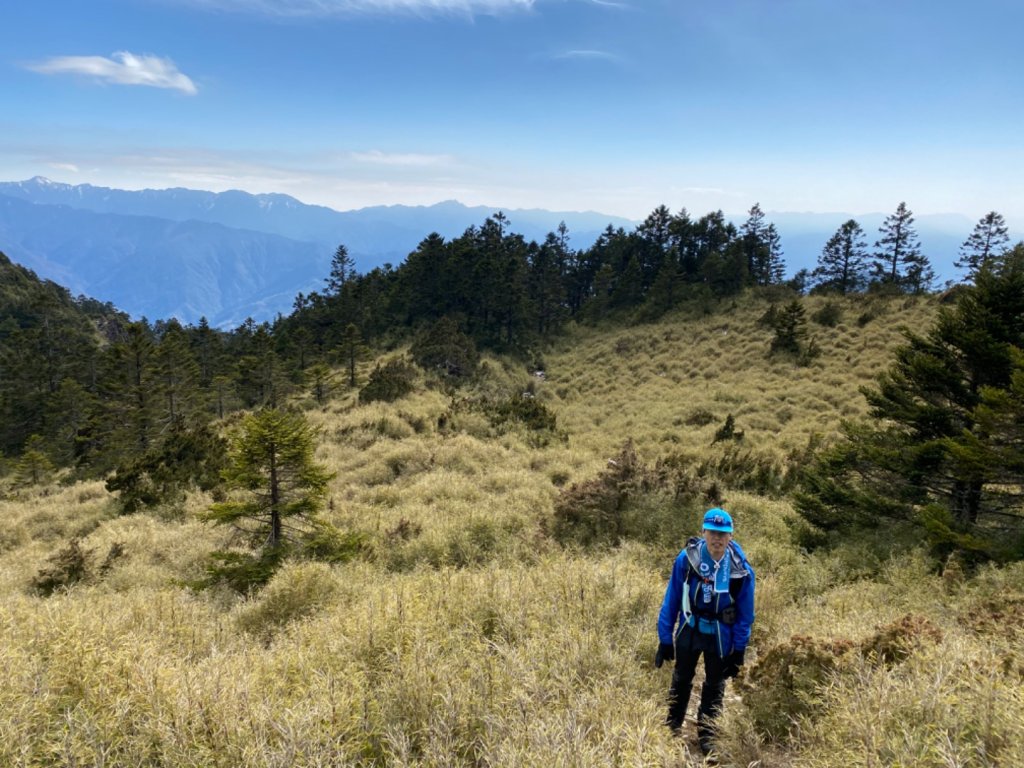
(717,520)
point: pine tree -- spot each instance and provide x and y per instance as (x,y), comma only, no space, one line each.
(127,420)
(351,350)
(34,466)
(898,259)
(776,268)
(989,239)
(282,487)
(545,284)
(754,234)
(342,270)
(920,459)
(841,263)
(655,234)
(320,379)
(790,326)
(176,376)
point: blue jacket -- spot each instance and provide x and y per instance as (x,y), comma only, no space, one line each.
(730,637)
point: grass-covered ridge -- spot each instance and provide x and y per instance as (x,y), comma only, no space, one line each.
(468,631)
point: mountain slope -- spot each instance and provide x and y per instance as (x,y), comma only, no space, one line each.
(161,268)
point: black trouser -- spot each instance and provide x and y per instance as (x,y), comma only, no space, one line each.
(689,647)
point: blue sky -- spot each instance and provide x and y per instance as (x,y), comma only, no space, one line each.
(609,105)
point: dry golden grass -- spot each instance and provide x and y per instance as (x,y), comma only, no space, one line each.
(468,637)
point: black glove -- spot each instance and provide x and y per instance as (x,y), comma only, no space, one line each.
(733,662)
(666,652)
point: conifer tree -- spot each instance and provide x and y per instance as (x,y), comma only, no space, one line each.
(988,239)
(282,487)
(776,267)
(655,235)
(352,350)
(754,234)
(34,466)
(69,412)
(207,350)
(446,349)
(929,455)
(841,263)
(127,419)
(175,376)
(790,326)
(545,285)
(342,270)
(898,258)
(320,379)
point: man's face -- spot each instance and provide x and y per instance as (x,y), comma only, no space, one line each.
(717,541)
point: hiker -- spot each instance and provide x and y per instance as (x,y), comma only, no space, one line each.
(711,595)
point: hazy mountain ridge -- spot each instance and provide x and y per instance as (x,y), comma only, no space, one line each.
(370,234)
(265,248)
(161,268)
(231,255)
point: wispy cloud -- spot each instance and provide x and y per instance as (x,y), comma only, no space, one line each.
(324,8)
(591,55)
(70,167)
(376,157)
(123,68)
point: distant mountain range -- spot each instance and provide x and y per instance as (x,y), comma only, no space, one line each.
(226,256)
(231,255)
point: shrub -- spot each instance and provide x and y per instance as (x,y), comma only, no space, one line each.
(64,568)
(74,564)
(241,572)
(446,349)
(745,469)
(186,458)
(295,591)
(783,685)
(389,382)
(590,512)
(790,326)
(727,431)
(403,530)
(896,641)
(627,501)
(331,545)
(528,411)
(829,314)
(699,418)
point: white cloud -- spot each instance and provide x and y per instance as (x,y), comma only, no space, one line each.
(123,68)
(376,157)
(71,167)
(587,54)
(322,8)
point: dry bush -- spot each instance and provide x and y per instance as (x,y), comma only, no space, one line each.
(895,642)
(627,500)
(784,686)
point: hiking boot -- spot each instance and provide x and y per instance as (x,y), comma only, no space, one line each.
(705,738)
